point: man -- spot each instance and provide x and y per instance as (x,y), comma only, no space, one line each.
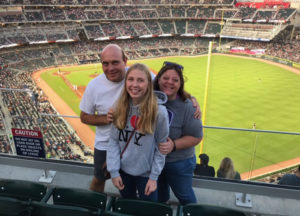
(291,179)
(203,169)
(99,97)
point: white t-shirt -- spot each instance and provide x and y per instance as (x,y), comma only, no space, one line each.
(100,95)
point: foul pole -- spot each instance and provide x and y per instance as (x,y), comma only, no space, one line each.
(206,92)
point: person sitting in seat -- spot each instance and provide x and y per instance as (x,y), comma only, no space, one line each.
(227,170)
(203,169)
(291,179)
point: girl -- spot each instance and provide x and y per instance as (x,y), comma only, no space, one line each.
(226,170)
(139,124)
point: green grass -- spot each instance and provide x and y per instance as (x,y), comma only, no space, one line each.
(240,92)
(59,86)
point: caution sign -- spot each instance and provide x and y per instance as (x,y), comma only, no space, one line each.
(28,143)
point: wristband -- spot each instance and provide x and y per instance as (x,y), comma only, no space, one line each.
(174,146)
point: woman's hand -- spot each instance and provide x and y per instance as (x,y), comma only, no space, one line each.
(166,147)
(110,115)
(150,187)
(118,183)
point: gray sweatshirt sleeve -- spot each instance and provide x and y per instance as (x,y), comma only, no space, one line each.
(161,135)
(113,153)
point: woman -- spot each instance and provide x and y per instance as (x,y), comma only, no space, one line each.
(226,170)
(139,125)
(185,133)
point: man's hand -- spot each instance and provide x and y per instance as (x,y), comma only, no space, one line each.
(150,187)
(118,183)
(110,115)
(197,114)
(166,147)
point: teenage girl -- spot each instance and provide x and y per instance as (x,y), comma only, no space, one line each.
(140,124)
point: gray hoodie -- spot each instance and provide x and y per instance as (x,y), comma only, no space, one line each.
(142,157)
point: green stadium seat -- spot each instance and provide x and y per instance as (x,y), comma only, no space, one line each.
(44,209)
(79,197)
(22,190)
(13,207)
(141,207)
(206,210)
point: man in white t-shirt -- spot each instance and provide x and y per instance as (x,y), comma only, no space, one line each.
(99,96)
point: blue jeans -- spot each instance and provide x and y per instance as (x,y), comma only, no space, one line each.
(133,183)
(177,175)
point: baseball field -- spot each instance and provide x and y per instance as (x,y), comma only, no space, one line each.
(242,93)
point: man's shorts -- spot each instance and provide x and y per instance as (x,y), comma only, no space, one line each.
(100,171)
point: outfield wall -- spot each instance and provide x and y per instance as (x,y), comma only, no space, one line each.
(270,58)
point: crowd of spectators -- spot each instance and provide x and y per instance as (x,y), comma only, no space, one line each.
(275,178)
(34,57)
(133,12)
(4,144)
(2,116)
(289,49)
(25,110)
(114,2)
(209,22)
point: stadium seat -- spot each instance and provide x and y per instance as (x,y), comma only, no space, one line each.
(13,207)
(79,197)
(22,190)
(44,209)
(141,207)
(206,210)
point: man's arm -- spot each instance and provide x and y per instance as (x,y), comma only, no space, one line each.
(197,114)
(95,120)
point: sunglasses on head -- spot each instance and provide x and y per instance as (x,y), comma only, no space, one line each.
(173,64)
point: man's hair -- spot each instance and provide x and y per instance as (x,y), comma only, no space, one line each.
(298,168)
(147,108)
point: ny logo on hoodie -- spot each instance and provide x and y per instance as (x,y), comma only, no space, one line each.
(125,134)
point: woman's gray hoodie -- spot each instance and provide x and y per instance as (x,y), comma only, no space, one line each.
(142,157)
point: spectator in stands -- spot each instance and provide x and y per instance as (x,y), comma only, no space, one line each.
(291,179)
(203,169)
(185,133)
(100,95)
(226,170)
(140,124)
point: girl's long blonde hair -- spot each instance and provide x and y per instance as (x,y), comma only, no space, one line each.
(227,168)
(147,108)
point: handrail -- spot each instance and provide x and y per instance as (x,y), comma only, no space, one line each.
(252,130)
